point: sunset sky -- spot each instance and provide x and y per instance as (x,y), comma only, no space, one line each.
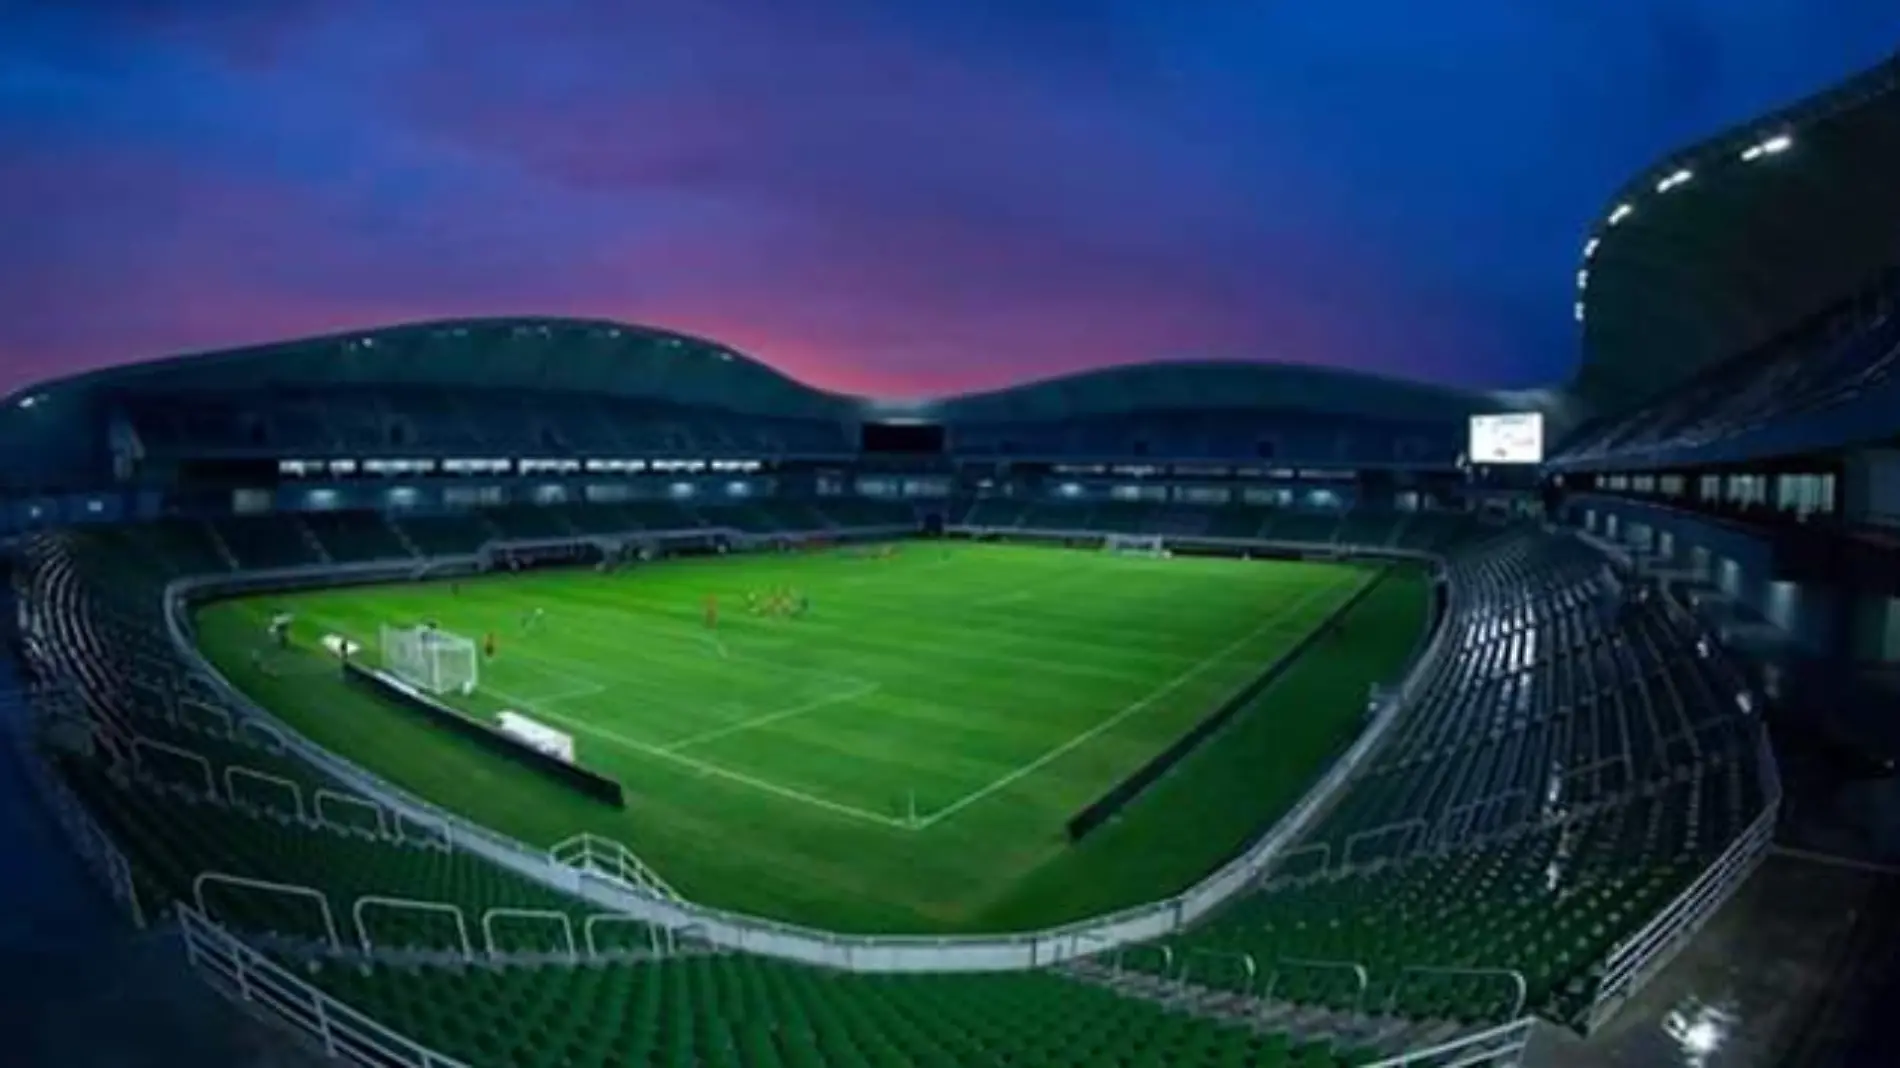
(879,196)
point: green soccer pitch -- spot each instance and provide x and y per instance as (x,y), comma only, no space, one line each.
(902,758)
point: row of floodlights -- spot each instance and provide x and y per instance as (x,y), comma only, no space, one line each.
(1773,146)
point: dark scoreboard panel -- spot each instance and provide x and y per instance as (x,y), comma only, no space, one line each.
(229,471)
(903,439)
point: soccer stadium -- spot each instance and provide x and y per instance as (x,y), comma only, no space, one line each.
(557,693)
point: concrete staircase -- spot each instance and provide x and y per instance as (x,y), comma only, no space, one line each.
(1383,1035)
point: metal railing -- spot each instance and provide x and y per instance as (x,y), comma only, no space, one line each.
(605,857)
(244,974)
(1499,1047)
(1640,956)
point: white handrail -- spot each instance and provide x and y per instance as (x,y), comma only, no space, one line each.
(232,772)
(360,909)
(343,1031)
(218,878)
(490,916)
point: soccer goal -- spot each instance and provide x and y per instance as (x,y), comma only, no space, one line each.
(431,659)
(1135,545)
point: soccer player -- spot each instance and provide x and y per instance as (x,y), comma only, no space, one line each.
(712,612)
(804,603)
(488,645)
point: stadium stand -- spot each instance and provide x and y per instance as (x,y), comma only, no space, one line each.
(1530,846)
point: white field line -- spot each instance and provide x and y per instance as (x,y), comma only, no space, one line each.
(1166,688)
(859,580)
(587,689)
(773,717)
(724,773)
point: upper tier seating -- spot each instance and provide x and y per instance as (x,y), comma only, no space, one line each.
(473,423)
(1266,438)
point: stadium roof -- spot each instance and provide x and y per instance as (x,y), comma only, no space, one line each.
(518,353)
(1188,385)
(636,361)
(1719,248)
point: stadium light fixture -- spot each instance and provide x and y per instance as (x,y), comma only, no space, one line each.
(1590,247)
(1674,180)
(1583,279)
(1774,146)
(1579,311)
(28,402)
(1621,212)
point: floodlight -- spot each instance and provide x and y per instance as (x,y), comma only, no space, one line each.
(1674,180)
(1622,212)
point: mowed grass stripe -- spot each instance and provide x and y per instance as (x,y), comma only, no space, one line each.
(918,687)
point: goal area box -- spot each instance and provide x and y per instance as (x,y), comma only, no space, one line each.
(575,777)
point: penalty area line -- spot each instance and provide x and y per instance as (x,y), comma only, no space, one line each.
(774,716)
(716,771)
(1173,684)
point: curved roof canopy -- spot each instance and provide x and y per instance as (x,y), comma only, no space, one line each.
(1721,247)
(1205,384)
(534,353)
(617,359)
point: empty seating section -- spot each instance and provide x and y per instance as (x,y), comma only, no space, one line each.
(262,542)
(469,422)
(1571,766)
(1263,437)
(529,522)
(1292,525)
(357,536)
(750,1012)
(446,535)
(1361,527)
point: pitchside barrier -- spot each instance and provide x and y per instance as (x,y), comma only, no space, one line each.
(868,953)
(1122,793)
(591,783)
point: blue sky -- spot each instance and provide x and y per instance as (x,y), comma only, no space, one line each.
(887,197)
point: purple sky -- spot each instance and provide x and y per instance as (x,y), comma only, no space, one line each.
(874,195)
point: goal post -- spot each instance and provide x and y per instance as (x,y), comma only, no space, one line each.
(1134,545)
(432,660)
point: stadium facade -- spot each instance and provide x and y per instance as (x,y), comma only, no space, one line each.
(1568,781)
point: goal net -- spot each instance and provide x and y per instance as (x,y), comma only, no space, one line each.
(1135,545)
(430,659)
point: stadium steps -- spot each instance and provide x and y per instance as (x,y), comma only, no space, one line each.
(219,545)
(408,544)
(310,538)
(1374,1034)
